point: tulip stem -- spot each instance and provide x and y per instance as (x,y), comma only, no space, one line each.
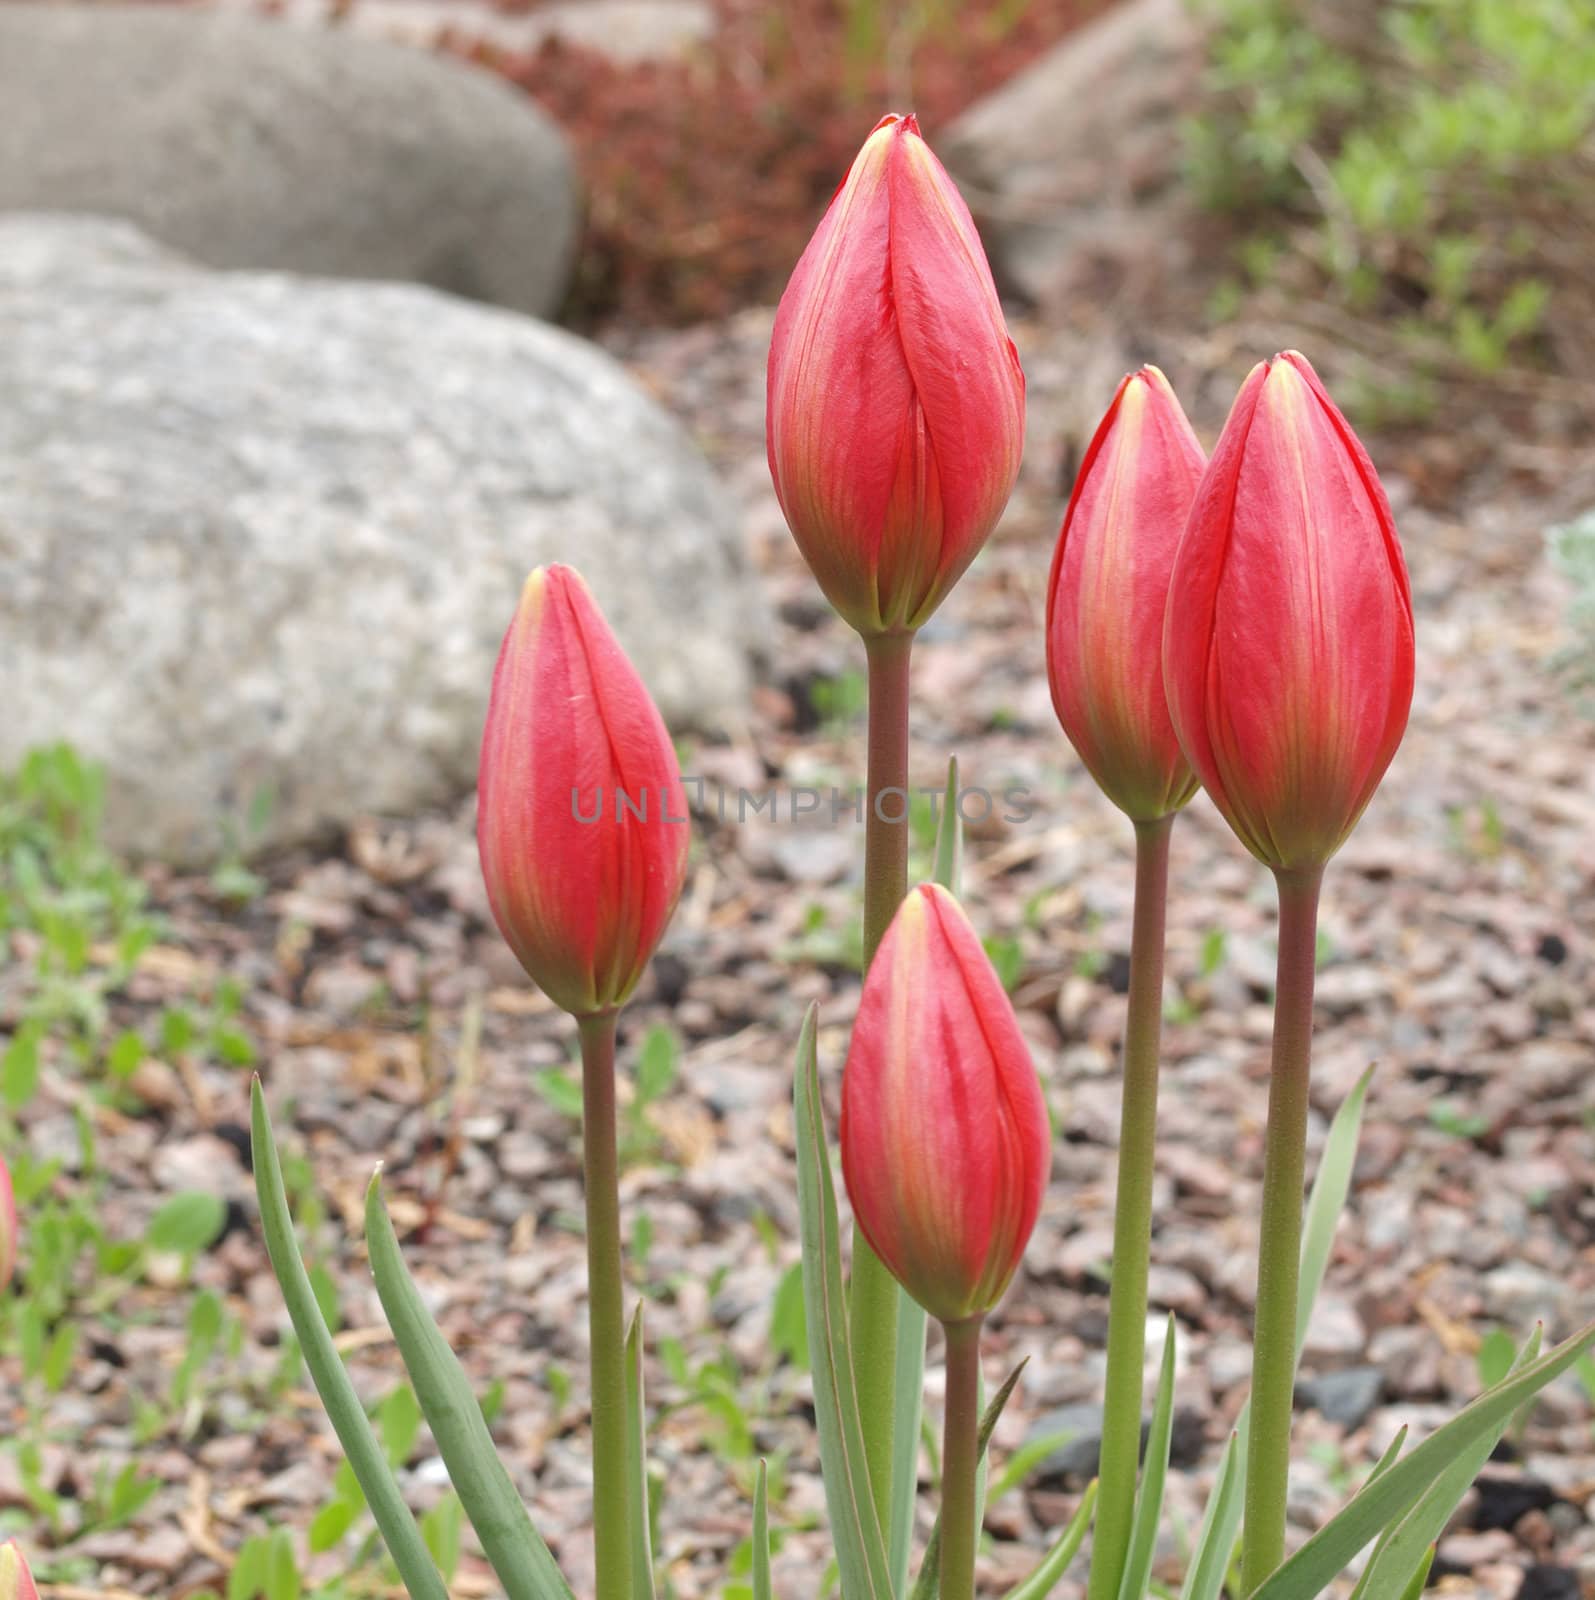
(1279,1248)
(873,1294)
(960,1459)
(1132,1215)
(606,1326)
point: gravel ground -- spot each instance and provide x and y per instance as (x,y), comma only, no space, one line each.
(1458,948)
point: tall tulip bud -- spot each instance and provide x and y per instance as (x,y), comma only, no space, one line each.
(9,1231)
(16,1582)
(896,404)
(1288,647)
(1108,593)
(581,820)
(945,1141)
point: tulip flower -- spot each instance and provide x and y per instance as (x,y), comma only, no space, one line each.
(16,1582)
(1288,645)
(945,1140)
(1288,662)
(581,819)
(1108,593)
(9,1231)
(896,404)
(894,419)
(583,832)
(1106,600)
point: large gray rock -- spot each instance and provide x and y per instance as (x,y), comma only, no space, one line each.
(1072,168)
(260,533)
(249,144)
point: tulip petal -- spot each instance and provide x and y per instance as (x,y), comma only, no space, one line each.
(894,402)
(581,818)
(1288,643)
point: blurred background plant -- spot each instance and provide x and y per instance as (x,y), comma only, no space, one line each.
(705,175)
(1572,547)
(1424,167)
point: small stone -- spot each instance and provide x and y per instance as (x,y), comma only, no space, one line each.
(1336,1331)
(1345,1397)
(1518,1293)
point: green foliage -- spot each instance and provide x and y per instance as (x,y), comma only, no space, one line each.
(1572,548)
(658,1067)
(1435,144)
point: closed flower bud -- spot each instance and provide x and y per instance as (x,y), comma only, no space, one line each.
(896,404)
(581,820)
(1108,593)
(1288,649)
(9,1231)
(16,1582)
(945,1140)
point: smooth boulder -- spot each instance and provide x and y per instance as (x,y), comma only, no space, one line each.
(247,143)
(262,535)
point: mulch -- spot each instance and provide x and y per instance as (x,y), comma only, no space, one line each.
(1458,955)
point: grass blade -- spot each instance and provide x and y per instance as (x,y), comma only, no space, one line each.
(1210,1560)
(761,1536)
(1149,1501)
(1055,1563)
(949,865)
(1331,1186)
(348,1417)
(642,1558)
(513,1547)
(855,1528)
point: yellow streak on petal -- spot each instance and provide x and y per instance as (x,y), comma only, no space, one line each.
(10,1573)
(534,597)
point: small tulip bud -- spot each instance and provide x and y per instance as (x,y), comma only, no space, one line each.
(581,820)
(1288,647)
(16,1582)
(10,1233)
(896,405)
(1108,593)
(945,1140)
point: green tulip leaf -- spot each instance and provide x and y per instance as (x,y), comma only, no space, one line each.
(1055,1563)
(761,1536)
(855,1528)
(909,1386)
(925,1585)
(1395,1491)
(513,1547)
(1149,1500)
(344,1410)
(1408,1547)
(642,1560)
(1215,1544)
(949,868)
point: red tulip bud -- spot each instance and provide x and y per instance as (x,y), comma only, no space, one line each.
(896,405)
(581,820)
(16,1582)
(10,1233)
(1287,650)
(1108,593)
(945,1141)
